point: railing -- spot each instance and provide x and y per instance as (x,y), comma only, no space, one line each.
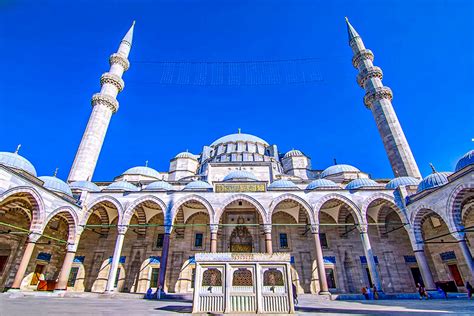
(243,303)
(275,303)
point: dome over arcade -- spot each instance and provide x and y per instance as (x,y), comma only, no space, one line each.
(434,180)
(15,161)
(322,183)
(294,153)
(396,182)
(283,184)
(122,186)
(239,137)
(159,186)
(361,183)
(240,175)
(466,160)
(84,186)
(142,171)
(197,185)
(56,185)
(336,169)
(186,154)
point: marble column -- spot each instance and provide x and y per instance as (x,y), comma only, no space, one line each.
(323,283)
(164,259)
(25,260)
(214,228)
(424,268)
(116,258)
(467,256)
(369,255)
(66,269)
(267,228)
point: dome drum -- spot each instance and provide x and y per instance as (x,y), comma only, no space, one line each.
(284,185)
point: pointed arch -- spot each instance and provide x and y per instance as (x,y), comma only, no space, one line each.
(388,199)
(292,197)
(130,210)
(338,197)
(244,197)
(454,204)
(38,212)
(99,201)
(72,220)
(421,213)
(193,197)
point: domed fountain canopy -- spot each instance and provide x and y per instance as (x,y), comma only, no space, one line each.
(294,153)
(282,185)
(322,183)
(56,185)
(197,185)
(122,186)
(396,182)
(336,169)
(15,161)
(84,186)
(159,186)
(466,160)
(240,175)
(361,183)
(143,171)
(239,137)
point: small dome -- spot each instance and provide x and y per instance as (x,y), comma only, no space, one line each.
(282,184)
(434,180)
(294,153)
(143,171)
(84,186)
(15,161)
(322,183)
(361,183)
(56,185)
(466,160)
(338,169)
(122,186)
(197,185)
(159,186)
(240,175)
(239,137)
(186,154)
(396,182)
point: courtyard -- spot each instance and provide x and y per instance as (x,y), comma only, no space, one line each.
(308,305)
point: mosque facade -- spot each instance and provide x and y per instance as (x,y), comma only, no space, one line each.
(141,230)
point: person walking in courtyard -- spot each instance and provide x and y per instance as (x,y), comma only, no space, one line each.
(422,291)
(375,292)
(469,290)
(364,292)
(295,295)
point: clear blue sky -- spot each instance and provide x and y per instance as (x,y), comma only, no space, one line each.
(53,55)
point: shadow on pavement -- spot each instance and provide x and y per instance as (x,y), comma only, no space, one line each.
(175,308)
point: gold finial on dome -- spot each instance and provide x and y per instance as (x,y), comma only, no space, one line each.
(432,168)
(55,172)
(239,130)
(17,148)
(335,161)
(146,163)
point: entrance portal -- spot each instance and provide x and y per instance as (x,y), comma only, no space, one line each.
(240,239)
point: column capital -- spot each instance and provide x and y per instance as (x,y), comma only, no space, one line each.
(213,228)
(72,247)
(314,229)
(168,228)
(267,228)
(122,229)
(34,237)
(363,228)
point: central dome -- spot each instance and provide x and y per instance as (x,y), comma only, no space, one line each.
(239,137)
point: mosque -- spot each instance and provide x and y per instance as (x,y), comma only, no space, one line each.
(341,229)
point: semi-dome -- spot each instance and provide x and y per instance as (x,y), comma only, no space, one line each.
(336,169)
(466,160)
(294,153)
(396,182)
(122,186)
(434,180)
(361,183)
(143,171)
(55,184)
(321,183)
(241,175)
(159,186)
(239,137)
(84,186)
(197,185)
(186,154)
(282,184)
(15,161)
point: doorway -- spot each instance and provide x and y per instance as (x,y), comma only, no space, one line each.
(37,274)
(415,272)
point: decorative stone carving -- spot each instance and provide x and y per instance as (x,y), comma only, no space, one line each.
(242,257)
(363,54)
(372,72)
(113,80)
(119,59)
(214,228)
(314,229)
(377,94)
(106,100)
(363,228)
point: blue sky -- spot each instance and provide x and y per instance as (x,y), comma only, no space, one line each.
(53,55)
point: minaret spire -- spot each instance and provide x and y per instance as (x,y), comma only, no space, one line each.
(104,104)
(378,98)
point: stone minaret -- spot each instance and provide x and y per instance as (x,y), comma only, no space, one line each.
(378,99)
(104,104)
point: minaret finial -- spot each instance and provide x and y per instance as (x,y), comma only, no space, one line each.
(432,168)
(17,148)
(239,130)
(335,161)
(55,172)
(351,31)
(146,163)
(128,38)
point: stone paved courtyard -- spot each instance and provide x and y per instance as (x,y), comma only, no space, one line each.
(308,305)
